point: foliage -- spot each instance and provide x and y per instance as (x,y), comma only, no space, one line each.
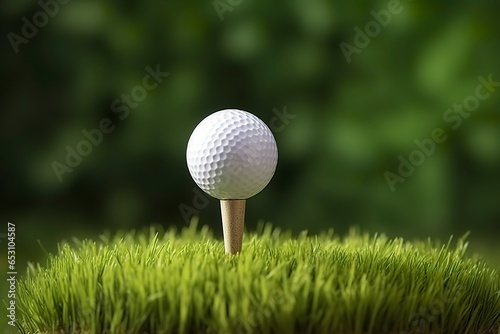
(352,120)
(183,282)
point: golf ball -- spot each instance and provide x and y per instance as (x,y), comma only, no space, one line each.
(232,154)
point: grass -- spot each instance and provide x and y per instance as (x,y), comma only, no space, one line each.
(183,282)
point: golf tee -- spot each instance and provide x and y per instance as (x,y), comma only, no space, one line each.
(233,221)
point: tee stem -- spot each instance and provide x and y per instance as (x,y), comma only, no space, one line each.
(233,221)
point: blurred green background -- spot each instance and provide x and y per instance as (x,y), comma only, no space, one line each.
(351,120)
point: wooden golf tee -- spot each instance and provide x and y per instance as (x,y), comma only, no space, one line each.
(233,221)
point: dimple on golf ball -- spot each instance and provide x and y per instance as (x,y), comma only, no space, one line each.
(232,154)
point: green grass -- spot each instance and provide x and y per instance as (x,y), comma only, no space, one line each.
(183,282)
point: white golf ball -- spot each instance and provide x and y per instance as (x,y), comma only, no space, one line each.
(232,154)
